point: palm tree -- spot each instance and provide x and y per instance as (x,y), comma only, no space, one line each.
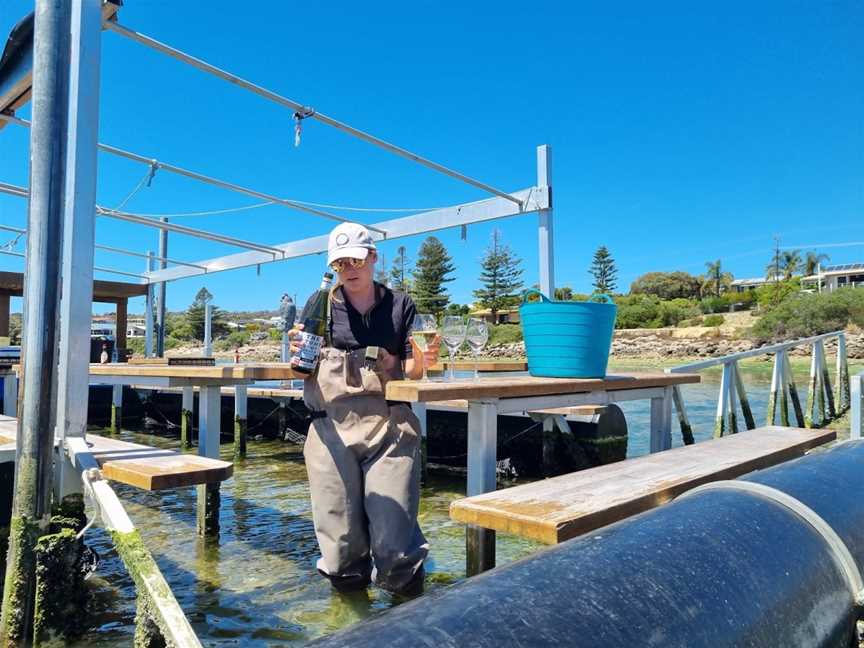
(813,261)
(791,262)
(715,279)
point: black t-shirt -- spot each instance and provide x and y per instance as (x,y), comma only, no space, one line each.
(386,325)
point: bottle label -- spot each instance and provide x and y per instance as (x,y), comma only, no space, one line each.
(307,358)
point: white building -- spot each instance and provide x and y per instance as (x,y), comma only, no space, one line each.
(830,278)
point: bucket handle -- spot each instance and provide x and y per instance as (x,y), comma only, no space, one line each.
(595,297)
(531,292)
(601,297)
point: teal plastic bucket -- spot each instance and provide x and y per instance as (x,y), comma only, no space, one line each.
(567,339)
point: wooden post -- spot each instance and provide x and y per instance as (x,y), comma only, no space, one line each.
(811,388)
(209,431)
(661,421)
(775,387)
(749,422)
(10,394)
(120,323)
(683,421)
(116,409)
(482,454)
(789,378)
(842,375)
(421,413)
(4,314)
(723,402)
(186,417)
(828,408)
(240,403)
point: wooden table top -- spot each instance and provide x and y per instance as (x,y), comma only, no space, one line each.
(557,509)
(247,371)
(415,391)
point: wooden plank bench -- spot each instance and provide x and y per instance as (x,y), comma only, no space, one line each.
(138,465)
(557,509)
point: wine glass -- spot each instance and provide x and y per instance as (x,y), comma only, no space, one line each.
(477,335)
(423,331)
(453,334)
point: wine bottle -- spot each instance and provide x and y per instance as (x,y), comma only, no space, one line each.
(314,320)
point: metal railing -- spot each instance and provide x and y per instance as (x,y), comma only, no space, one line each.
(823,402)
(856,422)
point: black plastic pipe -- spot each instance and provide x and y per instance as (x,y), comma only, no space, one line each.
(719,567)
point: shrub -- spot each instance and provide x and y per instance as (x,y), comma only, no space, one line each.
(504,334)
(807,314)
(667,285)
(135,345)
(714,305)
(713,320)
(647,311)
(232,341)
(275,334)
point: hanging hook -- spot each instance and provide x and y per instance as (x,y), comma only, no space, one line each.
(299,116)
(154,167)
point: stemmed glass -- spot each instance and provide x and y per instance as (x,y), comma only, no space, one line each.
(423,331)
(453,334)
(477,334)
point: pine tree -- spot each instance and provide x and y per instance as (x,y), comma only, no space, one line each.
(604,271)
(401,271)
(381,275)
(501,277)
(195,316)
(433,267)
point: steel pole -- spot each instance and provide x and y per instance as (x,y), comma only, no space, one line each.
(148,313)
(31,501)
(545,229)
(208,320)
(160,314)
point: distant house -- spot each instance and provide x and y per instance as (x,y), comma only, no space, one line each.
(136,331)
(507,316)
(744,285)
(830,278)
(102,329)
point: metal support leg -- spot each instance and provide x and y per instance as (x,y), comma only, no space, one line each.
(856,425)
(749,422)
(10,394)
(482,460)
(842,375)
(683,421)
(828,391)
(661,421)
(421,414)
(186,417)
(116,409)
(209,415)
(793,391)
(776,388)
(720,426)
(811,389)
(240,403)
(546,256)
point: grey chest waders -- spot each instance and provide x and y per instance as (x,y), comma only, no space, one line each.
(363,459)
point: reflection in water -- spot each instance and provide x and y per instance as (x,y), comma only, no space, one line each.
(258,586)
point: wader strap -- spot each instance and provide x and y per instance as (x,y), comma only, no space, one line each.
(320,414)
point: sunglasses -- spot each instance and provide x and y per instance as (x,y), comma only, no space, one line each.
(340,264)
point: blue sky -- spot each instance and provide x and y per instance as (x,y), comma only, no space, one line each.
(680,132)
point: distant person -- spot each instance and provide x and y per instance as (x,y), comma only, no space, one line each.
(103,357)
(363,452)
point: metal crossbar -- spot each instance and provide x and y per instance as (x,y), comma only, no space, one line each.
(200,177)
(305,112)
(111,270)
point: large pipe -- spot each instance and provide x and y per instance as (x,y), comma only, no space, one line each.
(718,567)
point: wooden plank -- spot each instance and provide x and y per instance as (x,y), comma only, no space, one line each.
(560,508)
(256,371)
(154,468)
(521,386)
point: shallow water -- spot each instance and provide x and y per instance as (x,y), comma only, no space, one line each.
(258,586)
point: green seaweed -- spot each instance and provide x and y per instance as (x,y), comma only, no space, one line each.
(116,418)
(17,590)
(140,565)
(185,429)
(63,599)
(239,437)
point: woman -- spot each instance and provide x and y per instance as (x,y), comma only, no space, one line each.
(362,452)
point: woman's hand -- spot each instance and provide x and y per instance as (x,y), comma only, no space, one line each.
(414,367)
(296,341)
